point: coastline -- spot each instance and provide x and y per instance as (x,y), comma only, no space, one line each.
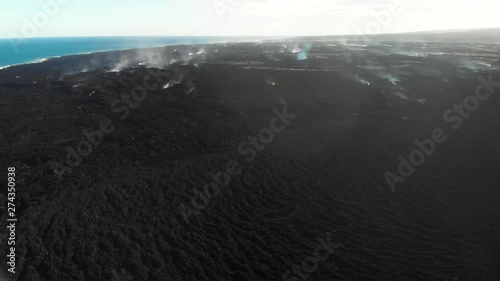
(41,60)
(217,40)
(192,41)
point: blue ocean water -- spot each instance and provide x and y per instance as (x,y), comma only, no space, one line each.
(19,51)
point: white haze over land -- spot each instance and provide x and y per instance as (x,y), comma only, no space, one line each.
(247,17)
(156,57)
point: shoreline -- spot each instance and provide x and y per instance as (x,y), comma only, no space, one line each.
(44,59)
(414,36)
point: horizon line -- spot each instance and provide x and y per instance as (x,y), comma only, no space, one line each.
(266,36)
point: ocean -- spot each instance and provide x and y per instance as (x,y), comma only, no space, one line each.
(20,51)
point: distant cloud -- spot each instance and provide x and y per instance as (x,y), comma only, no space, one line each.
(250,17)
(346,8)
(308,8)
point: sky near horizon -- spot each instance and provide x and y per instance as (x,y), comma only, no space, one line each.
(58,18)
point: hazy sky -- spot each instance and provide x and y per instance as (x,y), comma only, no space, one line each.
(240,17)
